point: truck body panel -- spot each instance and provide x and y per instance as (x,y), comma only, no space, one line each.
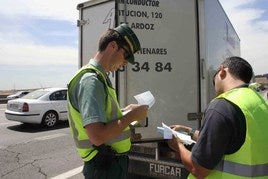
(168,46)
(220,41)
(182,45)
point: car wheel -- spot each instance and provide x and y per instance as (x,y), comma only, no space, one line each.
(50,119)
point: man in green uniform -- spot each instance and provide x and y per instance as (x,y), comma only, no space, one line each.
(100,130)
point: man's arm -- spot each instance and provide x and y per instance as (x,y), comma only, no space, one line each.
(92,102)
(197,170)
(213,140)
(186,158)
(100,132)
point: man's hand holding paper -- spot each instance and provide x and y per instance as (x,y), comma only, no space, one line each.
(168,132)
(137,110)
(143,99)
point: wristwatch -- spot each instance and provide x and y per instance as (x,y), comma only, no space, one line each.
(191,133)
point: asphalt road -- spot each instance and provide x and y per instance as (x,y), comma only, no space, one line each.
(34,152)
(30,151)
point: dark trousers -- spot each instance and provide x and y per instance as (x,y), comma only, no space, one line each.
(118,169)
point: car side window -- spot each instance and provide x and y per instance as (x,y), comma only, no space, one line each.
(58,95)
(64,94)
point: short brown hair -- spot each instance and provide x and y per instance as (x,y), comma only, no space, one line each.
(109,36)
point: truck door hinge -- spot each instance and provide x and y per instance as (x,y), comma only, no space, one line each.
(195,116)
(82,22)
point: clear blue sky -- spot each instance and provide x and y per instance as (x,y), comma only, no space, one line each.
(38,39)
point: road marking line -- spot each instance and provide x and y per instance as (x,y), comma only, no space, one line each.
(43,138)
(7,123)
(69,174)
(50,136)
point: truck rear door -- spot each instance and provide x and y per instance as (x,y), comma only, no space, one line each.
(94,18)
(167,64)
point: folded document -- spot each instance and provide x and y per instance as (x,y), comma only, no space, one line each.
(167,133)
(146,98)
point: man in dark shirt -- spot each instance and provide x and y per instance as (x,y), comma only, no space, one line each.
(223,122)
(224,129)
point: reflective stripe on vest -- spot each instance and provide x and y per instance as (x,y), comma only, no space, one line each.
(121,144)
(242,169)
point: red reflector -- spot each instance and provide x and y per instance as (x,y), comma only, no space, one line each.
(25,107)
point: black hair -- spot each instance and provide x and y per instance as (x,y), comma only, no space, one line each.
(109,36)
(239,68)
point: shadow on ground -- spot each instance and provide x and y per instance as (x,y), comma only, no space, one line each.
(33,128)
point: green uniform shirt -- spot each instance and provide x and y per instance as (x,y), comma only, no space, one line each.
(89,95)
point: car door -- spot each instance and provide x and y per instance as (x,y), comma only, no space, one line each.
(59,102)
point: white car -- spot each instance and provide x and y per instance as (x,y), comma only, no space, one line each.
(43,106)
(19,94)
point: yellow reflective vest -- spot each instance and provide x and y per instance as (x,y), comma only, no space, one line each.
(121,144)
(251,160)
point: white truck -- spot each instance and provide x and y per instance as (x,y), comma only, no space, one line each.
(182,45)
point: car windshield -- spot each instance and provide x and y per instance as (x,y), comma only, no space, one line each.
(35,94)
(18,93)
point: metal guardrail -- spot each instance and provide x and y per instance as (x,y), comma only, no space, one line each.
(3,99)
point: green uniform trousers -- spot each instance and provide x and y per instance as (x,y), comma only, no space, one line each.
(118,170)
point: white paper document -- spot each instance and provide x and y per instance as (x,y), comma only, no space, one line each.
(167,133)
(146,98)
